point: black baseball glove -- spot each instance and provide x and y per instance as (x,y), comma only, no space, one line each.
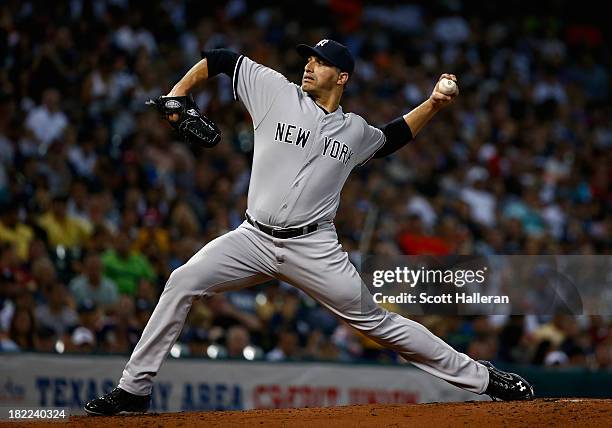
(191,126)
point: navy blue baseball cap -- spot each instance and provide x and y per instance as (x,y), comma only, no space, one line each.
(331,51)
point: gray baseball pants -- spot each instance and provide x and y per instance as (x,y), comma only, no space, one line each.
(316,264)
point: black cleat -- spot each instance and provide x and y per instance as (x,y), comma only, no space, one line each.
(506,386)
(118,401)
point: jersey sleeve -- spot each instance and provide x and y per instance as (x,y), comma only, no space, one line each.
(373,139)
(257,87)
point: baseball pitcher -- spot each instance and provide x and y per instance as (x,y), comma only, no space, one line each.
(305,147)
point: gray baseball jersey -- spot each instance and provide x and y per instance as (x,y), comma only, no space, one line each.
(302,156)
(302,159)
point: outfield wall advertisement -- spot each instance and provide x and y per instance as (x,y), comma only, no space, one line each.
(36,380)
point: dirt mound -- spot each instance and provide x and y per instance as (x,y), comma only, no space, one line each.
(568,412)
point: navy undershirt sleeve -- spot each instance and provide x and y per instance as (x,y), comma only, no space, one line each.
(397,133)
(221,61)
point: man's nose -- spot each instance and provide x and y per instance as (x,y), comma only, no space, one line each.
(308,66)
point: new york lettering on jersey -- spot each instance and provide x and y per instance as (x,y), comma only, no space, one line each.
(337,150)
(291,134)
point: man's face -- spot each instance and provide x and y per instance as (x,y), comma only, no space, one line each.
(320,76)
(122,244)
(93,267)
(59,208)
(10,217)
(51,99)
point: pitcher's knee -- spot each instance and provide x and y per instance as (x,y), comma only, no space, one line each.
(371,322)
(183,280)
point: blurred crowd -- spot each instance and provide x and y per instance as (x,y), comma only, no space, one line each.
(99,202)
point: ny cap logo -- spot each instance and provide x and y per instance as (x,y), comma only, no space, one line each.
(322,42)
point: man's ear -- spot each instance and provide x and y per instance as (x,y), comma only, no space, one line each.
(343,78)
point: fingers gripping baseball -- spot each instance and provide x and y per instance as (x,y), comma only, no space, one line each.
(445,91)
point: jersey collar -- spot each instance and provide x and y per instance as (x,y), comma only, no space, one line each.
(338,110)
(324,111)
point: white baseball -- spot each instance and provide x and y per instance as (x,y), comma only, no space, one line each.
(447,86)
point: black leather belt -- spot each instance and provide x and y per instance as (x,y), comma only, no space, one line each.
(283,233)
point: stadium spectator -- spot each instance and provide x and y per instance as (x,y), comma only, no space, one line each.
(236,339)
(93,285)
(45,339)
(44,274)
(82,340)
(6,343)
(287,347)
(47,122)
(62,228)
(15,232)
(124,266)
(22,329)
(56,312)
